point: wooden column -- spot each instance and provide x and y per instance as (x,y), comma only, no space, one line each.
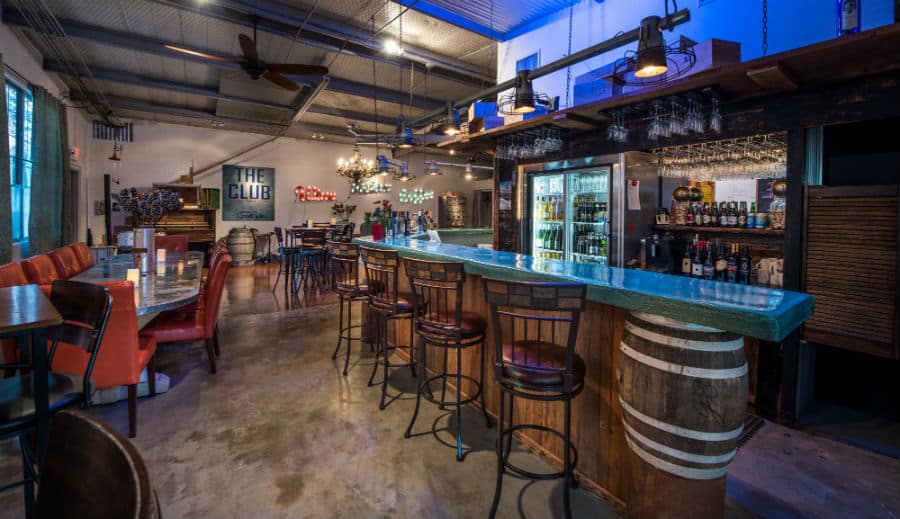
(683,392)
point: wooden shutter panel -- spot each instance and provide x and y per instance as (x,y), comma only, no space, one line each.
(851,267)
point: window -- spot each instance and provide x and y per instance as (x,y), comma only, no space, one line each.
(19,110)
(529,62)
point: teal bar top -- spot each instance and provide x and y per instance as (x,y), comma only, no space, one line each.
(765,313)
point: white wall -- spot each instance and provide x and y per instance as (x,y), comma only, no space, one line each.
(163,152)
(792,24)
(26,61)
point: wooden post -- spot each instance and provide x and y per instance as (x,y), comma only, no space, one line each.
(683,390)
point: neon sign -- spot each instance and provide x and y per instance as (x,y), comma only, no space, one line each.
(416,196)
(313,194)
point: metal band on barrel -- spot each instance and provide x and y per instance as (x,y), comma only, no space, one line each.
(681,369)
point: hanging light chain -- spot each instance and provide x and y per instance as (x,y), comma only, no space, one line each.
(765,27)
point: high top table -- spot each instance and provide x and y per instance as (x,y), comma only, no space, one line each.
(657,424)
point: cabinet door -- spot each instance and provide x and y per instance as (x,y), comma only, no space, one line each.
(851,267)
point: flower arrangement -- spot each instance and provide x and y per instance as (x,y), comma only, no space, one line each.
(343,210)
(382,212)
(148,208)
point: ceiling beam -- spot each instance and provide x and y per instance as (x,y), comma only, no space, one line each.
(436,11)
(138,105)
(154,46)
(127,78)
(330,34)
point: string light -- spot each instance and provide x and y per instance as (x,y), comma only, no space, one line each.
(313,194)
(369,187)
(415,197)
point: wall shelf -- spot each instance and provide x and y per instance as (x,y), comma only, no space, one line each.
(771,233)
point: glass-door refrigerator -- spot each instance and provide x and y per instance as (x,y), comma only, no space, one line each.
(570,214)
(548,215)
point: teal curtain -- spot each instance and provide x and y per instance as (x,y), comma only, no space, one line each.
(50,164)
(5,205)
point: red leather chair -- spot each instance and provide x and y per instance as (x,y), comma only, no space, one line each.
(66,262)
(83,253)
(40,270)
(193,325)
(173,244)
(218,252)
(11,275)
(123,353)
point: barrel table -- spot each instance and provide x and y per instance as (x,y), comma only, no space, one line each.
(241,245)
(665,392)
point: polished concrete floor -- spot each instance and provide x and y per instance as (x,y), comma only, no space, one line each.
(279,433)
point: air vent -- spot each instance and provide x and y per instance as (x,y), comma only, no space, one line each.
(105,132)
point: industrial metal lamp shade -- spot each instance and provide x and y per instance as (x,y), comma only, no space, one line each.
(450,126)
(407,138)
(651,54)
(524,94)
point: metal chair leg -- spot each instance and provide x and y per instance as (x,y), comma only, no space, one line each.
(459,450)
(29,477)
(444,381)
(498,486)
(376,327)
(349,328)
(567,461)
(387,371)
(412,349)
(487,419)
(340,328)
(419,383)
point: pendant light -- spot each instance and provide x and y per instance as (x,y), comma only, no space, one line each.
(450,125)
(651,54)
(115,158)
(524,103)
(469,175)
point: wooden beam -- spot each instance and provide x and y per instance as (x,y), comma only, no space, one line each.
(773,77)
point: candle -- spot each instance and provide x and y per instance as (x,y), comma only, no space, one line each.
(161,256)
(180,267)
(333,220)
(160,268)
(309,223)
(134,275)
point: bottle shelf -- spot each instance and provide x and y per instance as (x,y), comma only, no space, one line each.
(589,223)
(555,222)
(773,233)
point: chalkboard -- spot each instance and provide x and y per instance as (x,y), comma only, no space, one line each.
(764,196)
(248,193)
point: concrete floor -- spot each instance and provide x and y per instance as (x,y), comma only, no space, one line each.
(279,433)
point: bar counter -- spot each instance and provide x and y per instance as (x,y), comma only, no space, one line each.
(666,389)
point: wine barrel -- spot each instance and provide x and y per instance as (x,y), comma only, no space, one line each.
(240,246)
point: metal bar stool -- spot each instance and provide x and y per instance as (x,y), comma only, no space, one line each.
(437,288)
(535,329)
(386,304)
(312,260)
(343,259)
(287,255)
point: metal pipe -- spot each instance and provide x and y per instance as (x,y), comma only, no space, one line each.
(310,97)
(455,165)
(625,38)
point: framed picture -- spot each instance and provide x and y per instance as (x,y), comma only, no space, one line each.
(248,193)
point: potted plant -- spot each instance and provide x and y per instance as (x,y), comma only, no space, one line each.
(146,209)
(382,219)
(366,228)
(342,211)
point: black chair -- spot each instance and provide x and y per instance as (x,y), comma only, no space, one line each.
(288,256)
(343,259)
(535,329)
(85,310)
(312,259)
(93,471)
(343,232)
(437,288)
(386,304)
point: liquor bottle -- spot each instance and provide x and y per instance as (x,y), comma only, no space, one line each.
(709,265)
(847,17)
(751,216)
(721,262)
(732,215)
(557,244)
(704,212)
(761,219)
(697,262)
(742,215)
(690,216)
(744,266)
(714,215)
(686,261)
(723,215)
(545,206)
(732,264)
(551,237)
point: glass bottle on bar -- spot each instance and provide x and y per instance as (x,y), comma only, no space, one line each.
(709,263)
(697,262)
(848,16)
(721,262)
(732,262)
(744,266)
(686,260)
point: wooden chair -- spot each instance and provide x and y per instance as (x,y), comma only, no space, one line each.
(92,471)
(535,328)
(437,288)
(85,309)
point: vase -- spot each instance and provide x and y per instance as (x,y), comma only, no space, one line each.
(377,231)
(145,238)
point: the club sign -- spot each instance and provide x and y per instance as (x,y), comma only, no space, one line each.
(248,193)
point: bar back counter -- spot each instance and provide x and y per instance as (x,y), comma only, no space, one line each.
(666,388)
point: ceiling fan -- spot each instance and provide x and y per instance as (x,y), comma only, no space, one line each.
(257,68)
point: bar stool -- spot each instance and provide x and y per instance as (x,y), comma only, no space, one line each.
(531,363)
(312,259)
(386,304)
(343,259)
(437,288)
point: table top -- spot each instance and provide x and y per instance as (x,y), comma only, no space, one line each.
(154,293)
(25,307)
(766,313)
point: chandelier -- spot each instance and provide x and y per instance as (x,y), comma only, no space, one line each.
(357,169)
